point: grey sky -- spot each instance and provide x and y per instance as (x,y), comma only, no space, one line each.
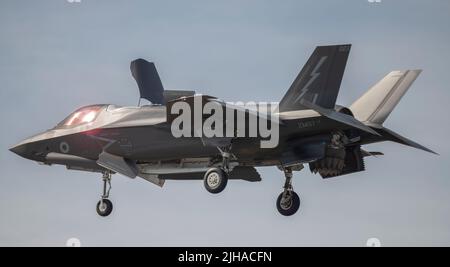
(56,56)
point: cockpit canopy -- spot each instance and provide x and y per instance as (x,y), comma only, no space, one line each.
(81,116)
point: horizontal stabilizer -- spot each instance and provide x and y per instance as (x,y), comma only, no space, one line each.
(395,137)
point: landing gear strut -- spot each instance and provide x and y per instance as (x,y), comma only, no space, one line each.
(288,202)
(216,179)
(105,206)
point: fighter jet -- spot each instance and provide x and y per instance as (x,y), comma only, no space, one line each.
(139,141)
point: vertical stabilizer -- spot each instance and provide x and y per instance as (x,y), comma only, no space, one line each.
(319,80)
(378,102)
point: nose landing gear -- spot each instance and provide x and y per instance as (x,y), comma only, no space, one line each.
(105,206)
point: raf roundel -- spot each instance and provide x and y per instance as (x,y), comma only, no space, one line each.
(64,147)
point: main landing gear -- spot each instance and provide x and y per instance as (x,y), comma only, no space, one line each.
(105,206)
(288,202)
(216,178)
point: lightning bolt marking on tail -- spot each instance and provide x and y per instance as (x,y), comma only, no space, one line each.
(313,76)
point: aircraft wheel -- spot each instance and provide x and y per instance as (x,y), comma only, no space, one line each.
(215,180)
(289,204)
(104,207)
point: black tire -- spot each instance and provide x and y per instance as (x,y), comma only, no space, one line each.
(291,208)
(106,209)
(215,180)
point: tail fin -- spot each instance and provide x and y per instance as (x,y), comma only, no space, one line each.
(376,104)
(319,80)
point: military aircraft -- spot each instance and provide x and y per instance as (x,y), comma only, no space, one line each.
(138,141)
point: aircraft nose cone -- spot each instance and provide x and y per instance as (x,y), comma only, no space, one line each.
(19,150)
